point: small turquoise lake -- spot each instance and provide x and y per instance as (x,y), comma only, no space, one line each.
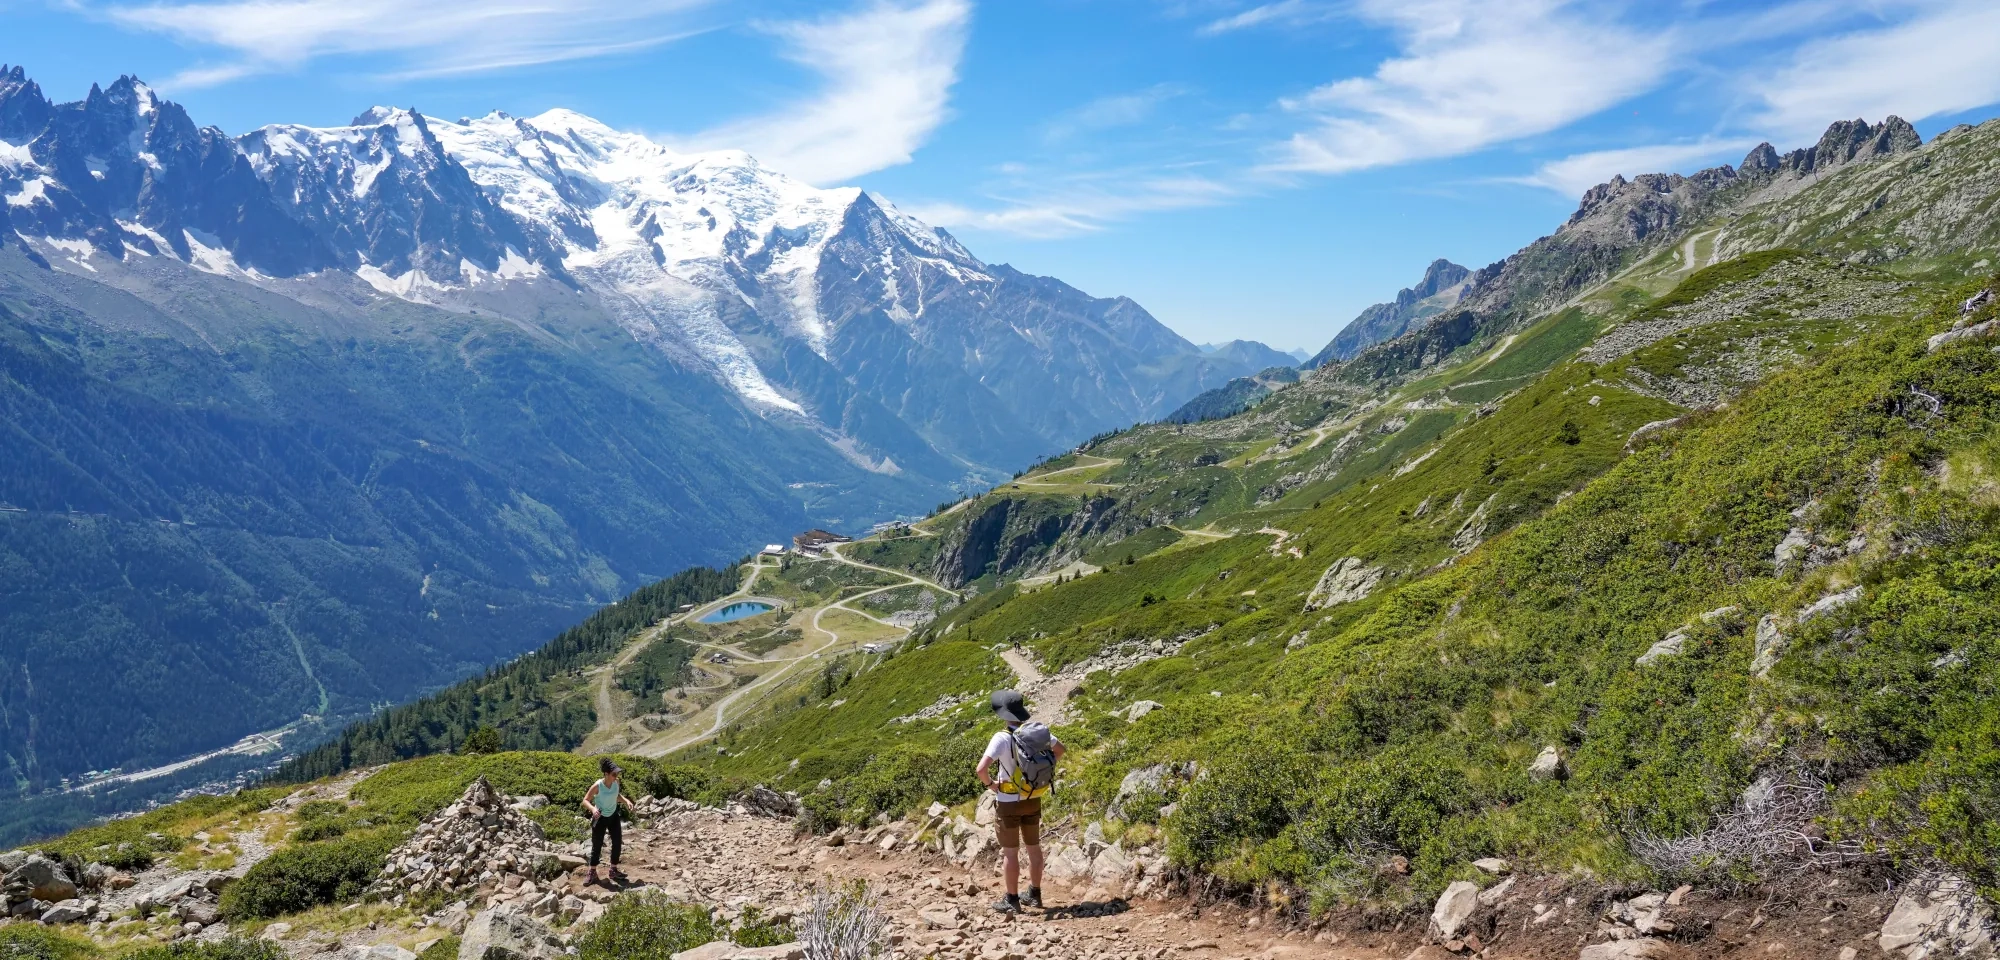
(740,610)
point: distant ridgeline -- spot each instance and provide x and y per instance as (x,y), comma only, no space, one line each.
(514,698)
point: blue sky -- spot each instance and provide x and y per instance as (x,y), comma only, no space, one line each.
(1242,168)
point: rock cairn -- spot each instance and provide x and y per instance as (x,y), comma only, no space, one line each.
(479,847)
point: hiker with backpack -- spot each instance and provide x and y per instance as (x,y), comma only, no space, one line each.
(602,801)
(1019,766)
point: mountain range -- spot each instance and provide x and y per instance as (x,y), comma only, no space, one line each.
(308,420)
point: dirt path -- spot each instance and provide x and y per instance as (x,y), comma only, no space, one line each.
(935,908)
(683,735)
(610,720)
(1048,695)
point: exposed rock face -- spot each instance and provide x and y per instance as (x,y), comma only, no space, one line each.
(1454,907)
(1347,580)
(1615,223)
(39,878)
(1942,918)
(1443,284)
(764,801)
(507,934)
(1548,764)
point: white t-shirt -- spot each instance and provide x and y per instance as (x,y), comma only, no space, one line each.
(1000,750)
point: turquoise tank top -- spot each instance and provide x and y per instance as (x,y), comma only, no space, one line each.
(607,798)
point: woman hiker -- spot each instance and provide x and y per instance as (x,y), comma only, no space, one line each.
(1019,767)
(601,802)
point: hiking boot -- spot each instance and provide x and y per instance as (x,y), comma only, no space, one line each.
(590,879)
(618,876)
(1034,898)
(1010,905)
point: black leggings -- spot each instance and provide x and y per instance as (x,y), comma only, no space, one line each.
(598,828)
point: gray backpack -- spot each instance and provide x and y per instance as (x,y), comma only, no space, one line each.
(1034,758)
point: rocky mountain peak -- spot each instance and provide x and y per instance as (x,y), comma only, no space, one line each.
(24,111)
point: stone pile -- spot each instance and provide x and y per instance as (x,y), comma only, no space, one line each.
(37,888)
(192,899)
(482,848)
(1107,869)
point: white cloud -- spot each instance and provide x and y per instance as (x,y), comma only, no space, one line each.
(1572,175)
(888,71)
(1937,59)
(1080,205)
(431,37)
(1281,13)
(1472,73)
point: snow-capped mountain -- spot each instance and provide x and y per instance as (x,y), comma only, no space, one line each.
(830,307)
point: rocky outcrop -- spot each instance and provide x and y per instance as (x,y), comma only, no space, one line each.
(508,934)
(1347,580)
(1939,917)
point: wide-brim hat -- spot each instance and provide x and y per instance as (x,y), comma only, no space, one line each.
(1010,706)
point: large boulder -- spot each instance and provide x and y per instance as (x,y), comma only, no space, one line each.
(763,800)
(724,950)
(166,894)
(1111,868)
(1548,765)
(1643,948)
(11,860)
(1067,861)
(1140,709)
(1454,907)
(1942,918)
(504,934)
(68,911)
(1152,778)
(1346,581)
(44,878)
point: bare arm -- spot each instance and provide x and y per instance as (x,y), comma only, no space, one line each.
(985,764)
(1059,750)
(590,801)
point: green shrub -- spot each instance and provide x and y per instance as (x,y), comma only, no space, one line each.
(234,948)
(446,949)
(301,877)
(561,822)
(23,942)
(647,926)
(483,740)
(755,929)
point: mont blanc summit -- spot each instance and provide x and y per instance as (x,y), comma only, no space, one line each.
(885,336)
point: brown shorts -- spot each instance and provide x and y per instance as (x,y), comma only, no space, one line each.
(1019,823)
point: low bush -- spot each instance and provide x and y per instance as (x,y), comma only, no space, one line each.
(21,942)
(647,926)
(234,948)
(305,876)
(446,949)
(755,929)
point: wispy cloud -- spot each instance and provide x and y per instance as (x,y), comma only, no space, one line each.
(423,37)
(1079,204)
(1574,174)
(1472,73)
(1930,58)
(1120,110)
(1281,13)
(888,70)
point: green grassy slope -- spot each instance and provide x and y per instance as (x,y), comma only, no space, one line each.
(1404,723)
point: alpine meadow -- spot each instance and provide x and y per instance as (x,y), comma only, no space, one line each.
(398,517)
